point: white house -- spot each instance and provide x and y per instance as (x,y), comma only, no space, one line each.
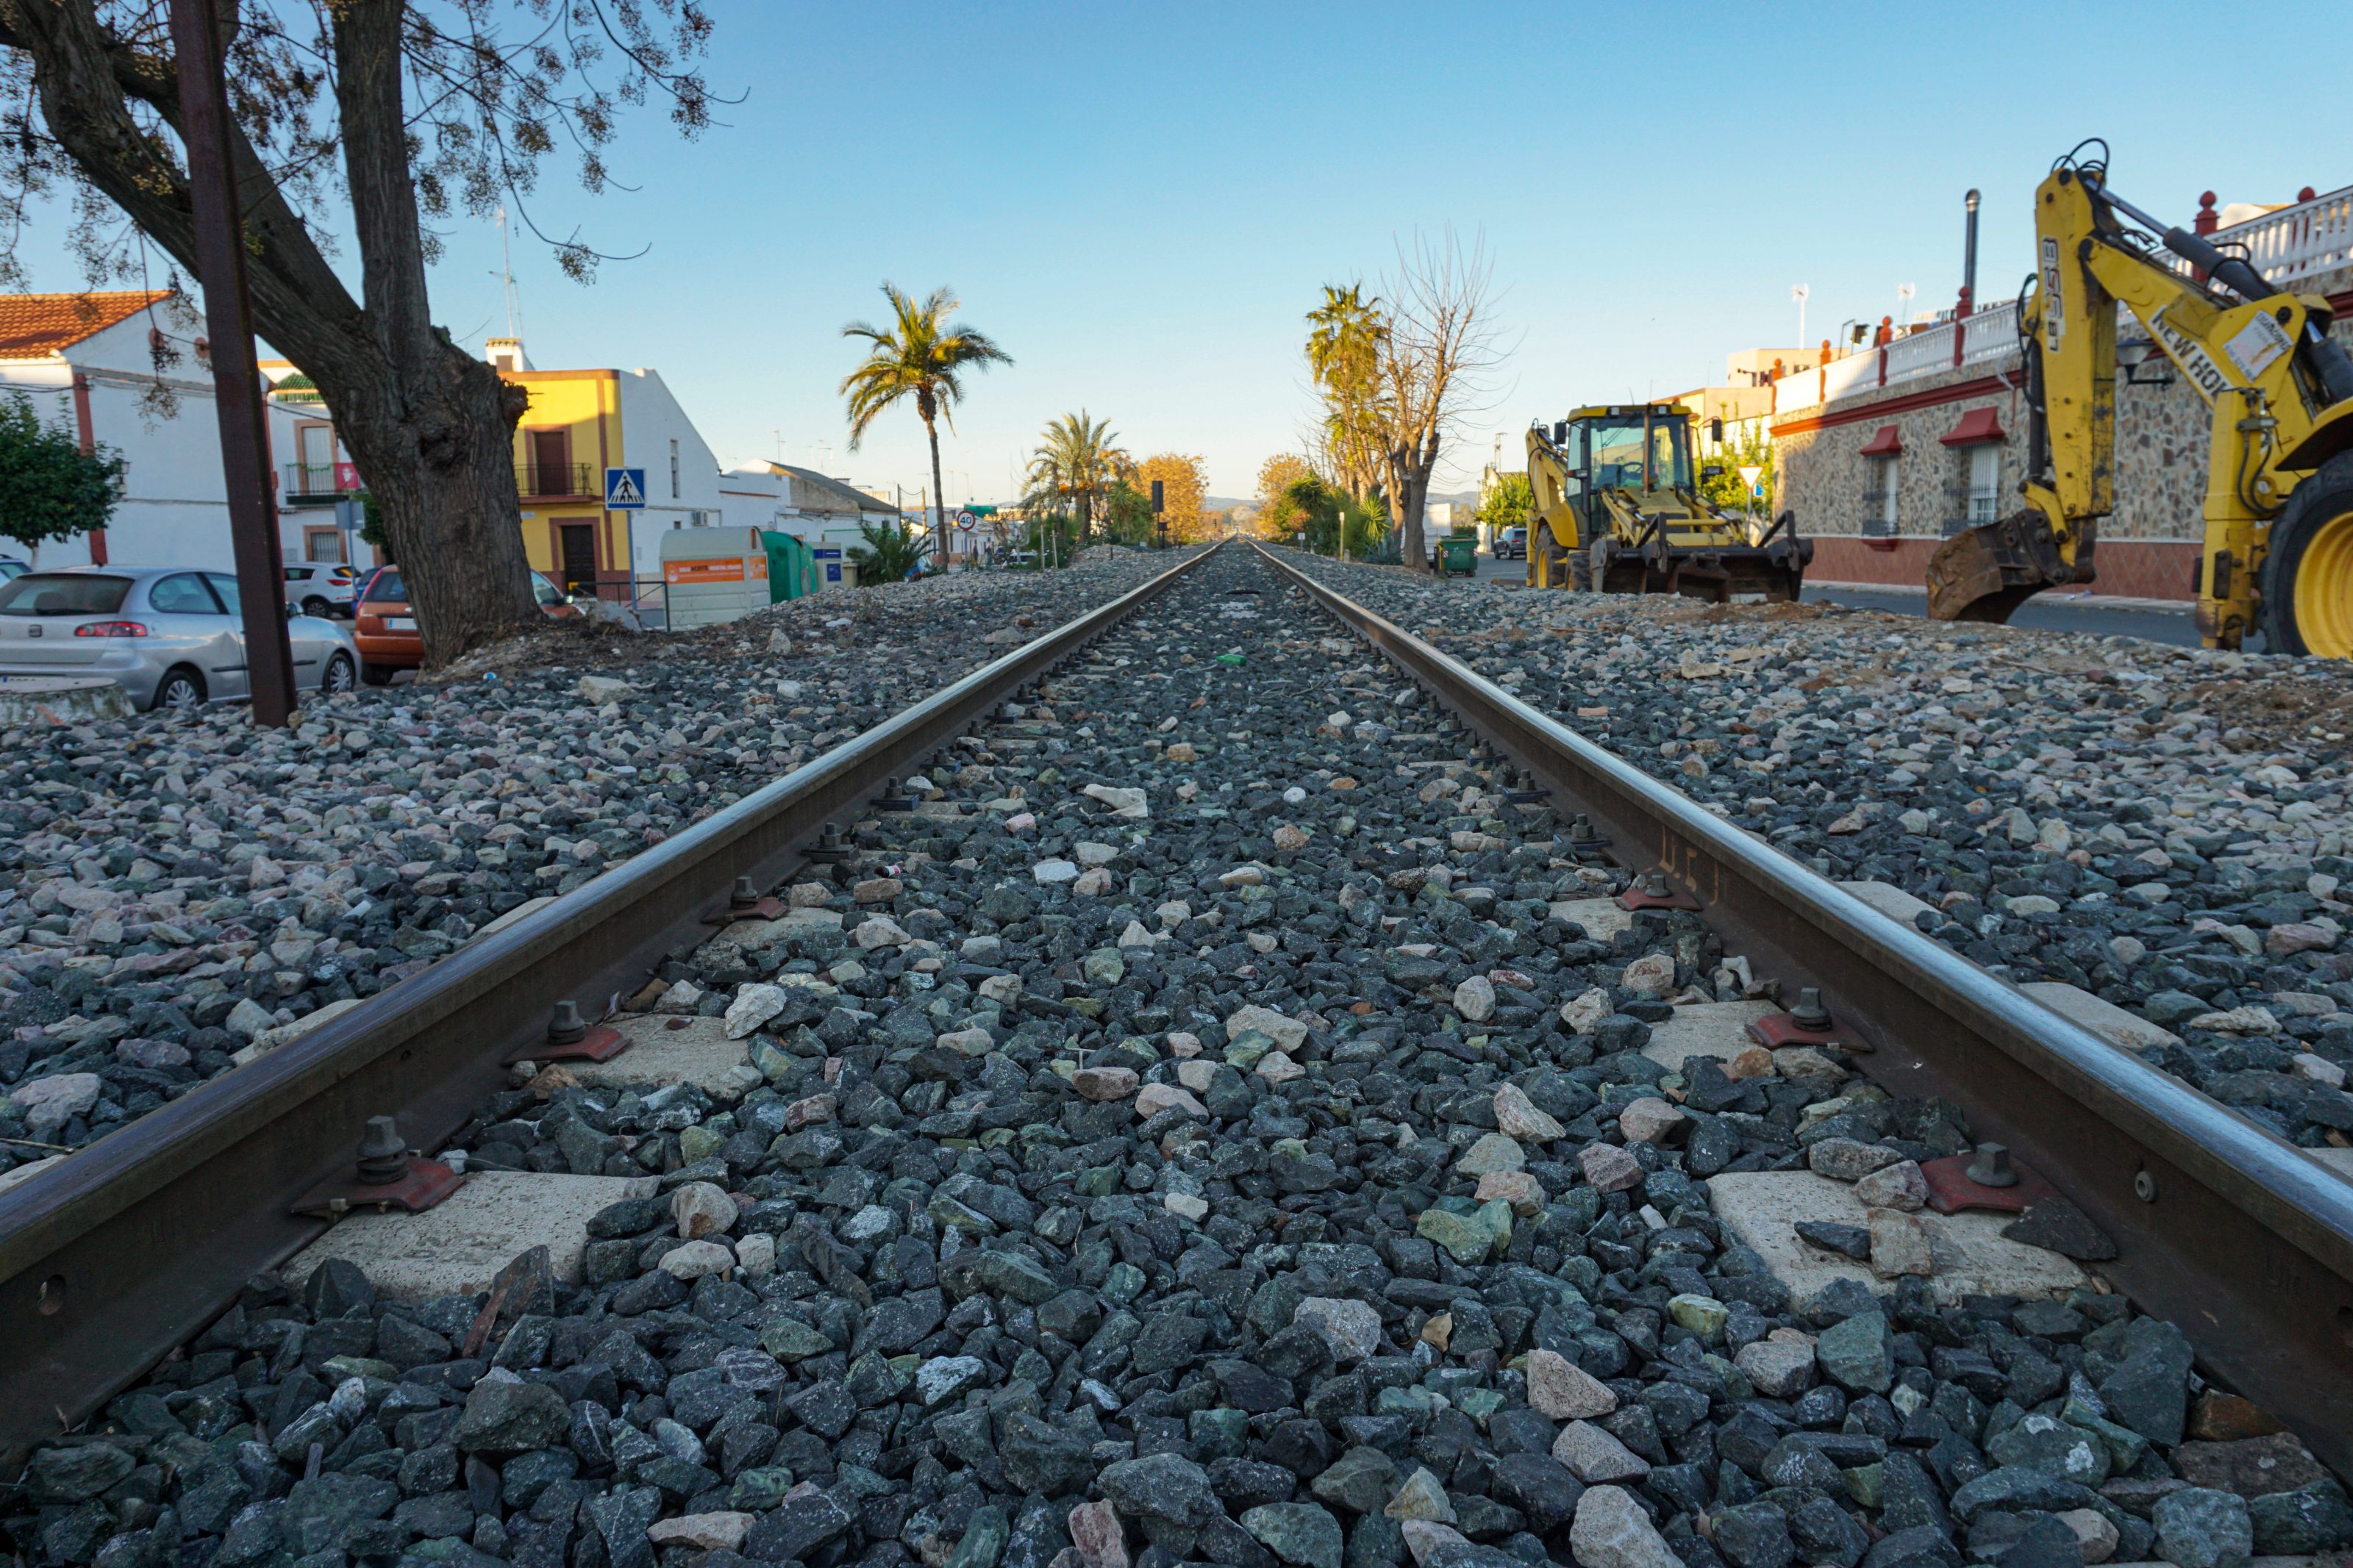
(118,371)
(820,511)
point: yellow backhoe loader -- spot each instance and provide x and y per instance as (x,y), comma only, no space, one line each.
(1616,513)
(2278,553)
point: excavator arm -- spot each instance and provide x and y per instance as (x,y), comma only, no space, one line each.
(1552,540)
(2280,390)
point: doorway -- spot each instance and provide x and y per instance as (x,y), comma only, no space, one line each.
(576,557)
(551,464)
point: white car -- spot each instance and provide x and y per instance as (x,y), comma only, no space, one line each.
(321,587)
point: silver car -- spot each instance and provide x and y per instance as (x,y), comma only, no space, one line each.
(169,636)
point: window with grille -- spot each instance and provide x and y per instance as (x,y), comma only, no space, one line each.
(1985,483)
(1879,498)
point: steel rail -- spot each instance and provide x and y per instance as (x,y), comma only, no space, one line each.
(111,1258)
(2241,1238)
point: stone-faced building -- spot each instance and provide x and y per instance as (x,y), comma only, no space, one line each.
(1886,452)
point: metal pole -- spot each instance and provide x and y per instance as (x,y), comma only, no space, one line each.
(237,384)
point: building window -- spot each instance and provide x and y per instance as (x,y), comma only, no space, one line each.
(1879,456)
(1985,483)
(322,544)
(673,470)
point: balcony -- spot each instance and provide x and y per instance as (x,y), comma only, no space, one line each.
(1986,338)
(318,484)
(555,479)
(2294,243)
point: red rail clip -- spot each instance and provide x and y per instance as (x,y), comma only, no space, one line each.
(386,1176)
(1653,893)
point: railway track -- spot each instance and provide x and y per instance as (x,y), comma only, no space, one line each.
(1295,898)
(97,1276)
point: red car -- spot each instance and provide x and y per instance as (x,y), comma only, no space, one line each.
(385,628)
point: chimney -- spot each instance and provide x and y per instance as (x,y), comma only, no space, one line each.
(1970,256)
(506,355)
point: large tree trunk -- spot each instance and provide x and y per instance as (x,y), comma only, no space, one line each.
(1409,469)
(429,427)
(442,423)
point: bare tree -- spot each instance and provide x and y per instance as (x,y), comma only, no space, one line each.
(1439,345)
(384,115)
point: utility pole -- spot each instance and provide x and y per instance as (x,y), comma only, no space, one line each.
(197,39)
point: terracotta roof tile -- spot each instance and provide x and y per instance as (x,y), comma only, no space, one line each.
(34,326)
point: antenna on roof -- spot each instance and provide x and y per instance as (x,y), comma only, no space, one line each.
(515,296)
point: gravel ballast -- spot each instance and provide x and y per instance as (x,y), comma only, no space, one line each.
(2165,827)
(176,891)
(1191,1136)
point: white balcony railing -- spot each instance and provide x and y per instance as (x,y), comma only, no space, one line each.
(2295,242)
(1922,353)
(1986,336)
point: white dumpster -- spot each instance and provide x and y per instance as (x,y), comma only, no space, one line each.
(713,575)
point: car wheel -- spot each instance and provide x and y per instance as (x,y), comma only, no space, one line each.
(315,605)
(183,688)
(339,675)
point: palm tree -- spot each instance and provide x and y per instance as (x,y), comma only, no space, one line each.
(917,357)
(1344,353)
(1076,459)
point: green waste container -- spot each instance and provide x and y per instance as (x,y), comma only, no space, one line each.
(791,571)
(1459,554)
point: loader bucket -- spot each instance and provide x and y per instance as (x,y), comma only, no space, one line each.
(1984,573)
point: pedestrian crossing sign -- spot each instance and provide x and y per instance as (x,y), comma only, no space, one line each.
(624,490)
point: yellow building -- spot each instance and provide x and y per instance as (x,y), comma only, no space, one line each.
(581,426)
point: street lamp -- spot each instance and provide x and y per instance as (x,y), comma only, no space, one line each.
(1798,291)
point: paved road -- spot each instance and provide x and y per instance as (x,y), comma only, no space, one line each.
(2048,613)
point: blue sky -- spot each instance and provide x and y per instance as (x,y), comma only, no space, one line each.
(1141,202)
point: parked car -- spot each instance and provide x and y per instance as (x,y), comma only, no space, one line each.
(10,567)
(1512,545)
(169,636)
(386,628)
(321,587)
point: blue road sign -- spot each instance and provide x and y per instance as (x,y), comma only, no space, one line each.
(624,490)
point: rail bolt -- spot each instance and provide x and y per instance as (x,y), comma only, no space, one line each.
(1991,1168)
(1810,1013)
(829,849)
(744,898)
(567,1028)
(1583,838)
(2145,1186)
(384,1158)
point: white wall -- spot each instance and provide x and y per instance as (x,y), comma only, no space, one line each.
(756,496)
(650,420)
(174,506)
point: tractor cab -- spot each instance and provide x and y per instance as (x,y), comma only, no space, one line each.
(1629,449)
(1638,456)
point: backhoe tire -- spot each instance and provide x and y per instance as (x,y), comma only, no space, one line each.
(2305,588)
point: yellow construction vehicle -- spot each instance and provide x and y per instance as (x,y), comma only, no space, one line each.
(2278,553)
(1616,513)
